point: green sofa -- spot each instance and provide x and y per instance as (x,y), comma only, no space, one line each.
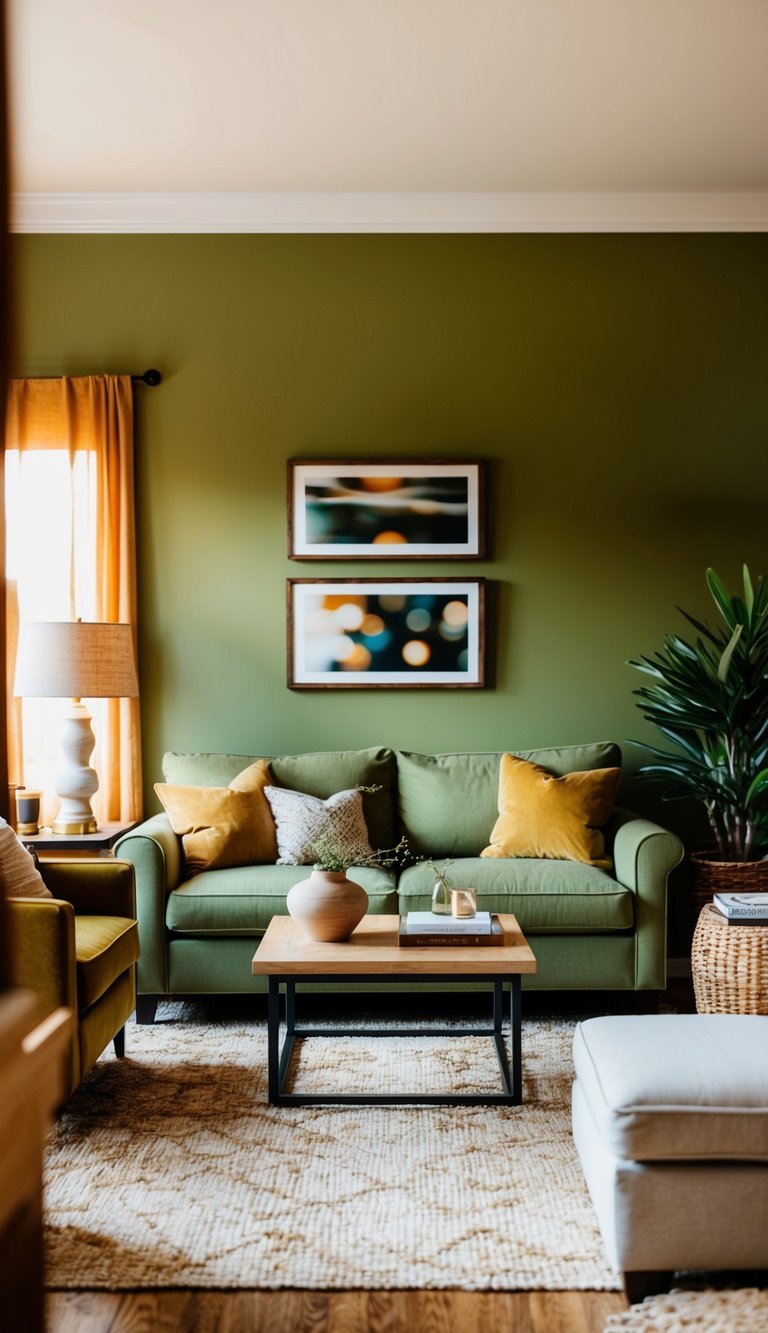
(590,929)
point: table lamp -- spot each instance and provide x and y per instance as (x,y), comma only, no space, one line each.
(76,660)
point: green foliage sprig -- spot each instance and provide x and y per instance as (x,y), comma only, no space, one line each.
(331,854)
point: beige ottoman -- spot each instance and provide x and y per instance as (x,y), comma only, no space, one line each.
(670,1119)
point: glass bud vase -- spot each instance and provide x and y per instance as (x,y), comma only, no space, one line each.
(441,898)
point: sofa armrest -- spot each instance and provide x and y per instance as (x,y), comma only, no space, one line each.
(644,853)
(94,888)
(42,936)
(155,853)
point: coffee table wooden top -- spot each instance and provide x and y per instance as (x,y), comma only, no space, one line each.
(372,948)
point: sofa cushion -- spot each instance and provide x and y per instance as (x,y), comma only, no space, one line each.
(105,947)
(320,774)
(677,1086)
(448,803)
(308,828)
(243,900)
(545,896)
(223,826)
(557,818)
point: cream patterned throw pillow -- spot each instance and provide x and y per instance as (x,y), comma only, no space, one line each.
(301,820)
(21,875)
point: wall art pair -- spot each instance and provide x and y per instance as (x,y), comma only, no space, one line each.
(409,632)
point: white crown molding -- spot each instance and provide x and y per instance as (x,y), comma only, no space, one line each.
(380,212)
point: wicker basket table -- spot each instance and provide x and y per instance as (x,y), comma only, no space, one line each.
(729,966)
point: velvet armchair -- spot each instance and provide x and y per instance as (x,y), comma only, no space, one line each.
(79,950)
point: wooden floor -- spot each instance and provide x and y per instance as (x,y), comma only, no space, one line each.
(332,1312)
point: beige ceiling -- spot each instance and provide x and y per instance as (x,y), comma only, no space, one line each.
(403,96)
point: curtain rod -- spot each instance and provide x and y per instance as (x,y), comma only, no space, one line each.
(150,377)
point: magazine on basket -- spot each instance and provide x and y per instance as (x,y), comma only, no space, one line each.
(751,907)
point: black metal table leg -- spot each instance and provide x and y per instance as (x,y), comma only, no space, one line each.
(515,1037)
(498,1037)
(273,1040)
(290,1007)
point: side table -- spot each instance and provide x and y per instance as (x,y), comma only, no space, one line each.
(52,845)
(729,965)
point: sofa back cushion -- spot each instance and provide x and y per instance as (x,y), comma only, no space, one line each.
(448,803)
(319,774)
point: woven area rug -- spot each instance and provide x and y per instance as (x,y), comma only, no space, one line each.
(169,1168)
(738,1311)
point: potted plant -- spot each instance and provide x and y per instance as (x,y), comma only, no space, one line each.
(709,698)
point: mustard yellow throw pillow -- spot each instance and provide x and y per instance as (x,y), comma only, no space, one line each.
(545,816)
(224,826)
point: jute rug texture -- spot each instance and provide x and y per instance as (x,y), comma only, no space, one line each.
(169,1168)
(712,1311)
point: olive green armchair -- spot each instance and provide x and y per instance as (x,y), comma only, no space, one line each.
(79,950)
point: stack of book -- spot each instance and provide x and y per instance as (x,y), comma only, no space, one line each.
(743,909)
(418,929)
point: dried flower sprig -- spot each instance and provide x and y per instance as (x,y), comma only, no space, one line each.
(439,872)
(331,854)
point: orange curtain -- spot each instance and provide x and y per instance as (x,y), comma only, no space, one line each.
(95,413)
(12,705)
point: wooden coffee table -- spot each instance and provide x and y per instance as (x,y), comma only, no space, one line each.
(285,955)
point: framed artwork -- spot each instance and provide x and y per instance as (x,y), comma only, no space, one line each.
(401,633)
(393,511)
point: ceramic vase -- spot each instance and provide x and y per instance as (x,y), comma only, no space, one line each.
(327,906)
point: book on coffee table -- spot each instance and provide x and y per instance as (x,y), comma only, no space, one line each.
(411,937)
(429,923)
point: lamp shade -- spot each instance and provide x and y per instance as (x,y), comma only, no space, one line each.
(75,659)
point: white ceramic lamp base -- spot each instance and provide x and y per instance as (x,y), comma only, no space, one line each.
(76,782)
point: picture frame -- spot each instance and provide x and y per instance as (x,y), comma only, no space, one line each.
(393,510)
(395,633)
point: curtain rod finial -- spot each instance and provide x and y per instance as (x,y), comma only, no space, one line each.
(151,377)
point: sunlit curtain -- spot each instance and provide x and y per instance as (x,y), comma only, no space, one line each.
(71,551)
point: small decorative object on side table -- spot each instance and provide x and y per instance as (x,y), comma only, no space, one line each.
(729,964)
(48,844)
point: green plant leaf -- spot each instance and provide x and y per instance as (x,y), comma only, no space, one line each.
(749,592)
(721,598)
(757,787)
(725,660)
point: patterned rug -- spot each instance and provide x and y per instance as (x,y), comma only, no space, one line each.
(712,1311)
(169,1168)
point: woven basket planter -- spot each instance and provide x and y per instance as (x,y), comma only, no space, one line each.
(710,876)
(729,965)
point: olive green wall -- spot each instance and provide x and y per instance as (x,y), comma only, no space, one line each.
(617,386)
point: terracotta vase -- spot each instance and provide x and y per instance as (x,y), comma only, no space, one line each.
(327,906)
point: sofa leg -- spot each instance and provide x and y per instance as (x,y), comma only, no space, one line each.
(641,1284)
(118,1041)
(146,1008)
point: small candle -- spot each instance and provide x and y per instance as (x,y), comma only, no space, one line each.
(463,902)
(27,810)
